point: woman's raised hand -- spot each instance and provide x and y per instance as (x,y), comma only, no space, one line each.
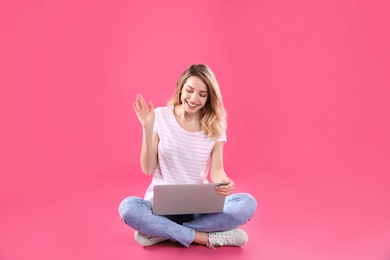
(145,113)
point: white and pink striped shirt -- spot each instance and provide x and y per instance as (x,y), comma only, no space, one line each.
(183,157)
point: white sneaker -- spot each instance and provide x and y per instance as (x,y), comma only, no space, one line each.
(145,240)
(234,237)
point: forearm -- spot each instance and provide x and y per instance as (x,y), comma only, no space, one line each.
(218,176)
(148,151)
(217,172)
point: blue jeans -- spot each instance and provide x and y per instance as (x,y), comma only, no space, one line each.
(137,213)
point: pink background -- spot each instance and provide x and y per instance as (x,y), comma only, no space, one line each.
(306,85)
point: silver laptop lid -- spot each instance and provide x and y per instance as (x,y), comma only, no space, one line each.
(176,199)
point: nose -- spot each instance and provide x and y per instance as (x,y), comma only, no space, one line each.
(193,97)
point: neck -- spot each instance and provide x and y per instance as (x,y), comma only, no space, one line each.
(181,113)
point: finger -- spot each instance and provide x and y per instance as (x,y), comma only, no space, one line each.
(139,102)
(142,101)
(223,189)
(226,189)
(223,193)
(138,106)
(136,102)
(151,106)
(225,186)
(231,183)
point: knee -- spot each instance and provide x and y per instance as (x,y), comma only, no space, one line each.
(127,206)
(246,206)
(250,204)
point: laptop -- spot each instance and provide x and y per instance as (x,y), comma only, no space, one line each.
(177,199)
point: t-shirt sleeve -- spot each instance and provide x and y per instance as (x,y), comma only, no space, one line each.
(222,138)
(157,113)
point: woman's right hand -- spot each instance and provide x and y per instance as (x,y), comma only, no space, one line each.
(145,113)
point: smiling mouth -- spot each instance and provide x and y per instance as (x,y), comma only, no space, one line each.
(192,105)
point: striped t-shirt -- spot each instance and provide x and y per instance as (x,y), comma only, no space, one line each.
(183,157)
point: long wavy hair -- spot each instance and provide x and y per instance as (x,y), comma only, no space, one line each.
(213,121)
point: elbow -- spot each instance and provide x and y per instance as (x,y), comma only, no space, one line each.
(148,170)
(148,166)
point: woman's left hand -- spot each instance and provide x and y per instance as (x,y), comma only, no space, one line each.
(226,188)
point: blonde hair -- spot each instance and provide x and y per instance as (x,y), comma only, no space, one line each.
(213,121)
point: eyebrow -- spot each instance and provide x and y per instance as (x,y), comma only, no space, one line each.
(205,91)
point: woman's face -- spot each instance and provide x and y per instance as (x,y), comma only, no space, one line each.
(194,94)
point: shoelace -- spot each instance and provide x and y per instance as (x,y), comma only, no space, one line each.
(218,237)
(156,238)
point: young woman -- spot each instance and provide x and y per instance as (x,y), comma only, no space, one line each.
(187,136)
